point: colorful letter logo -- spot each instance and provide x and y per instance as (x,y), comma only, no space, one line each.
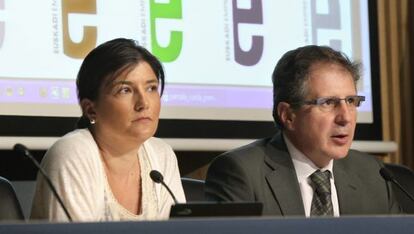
(2,26)
(254,15)
(332,20)
(171,10)
(88,42)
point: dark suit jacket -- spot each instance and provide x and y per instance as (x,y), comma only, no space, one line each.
(263,171)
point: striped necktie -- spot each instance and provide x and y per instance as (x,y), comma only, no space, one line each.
(321,202)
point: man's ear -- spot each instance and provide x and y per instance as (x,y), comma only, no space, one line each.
(286,115)
(88,108)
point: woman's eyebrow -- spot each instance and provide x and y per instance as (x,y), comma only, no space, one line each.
(121,82)
(152,80)
(127,82)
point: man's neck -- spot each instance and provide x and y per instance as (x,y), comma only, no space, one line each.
(301,157)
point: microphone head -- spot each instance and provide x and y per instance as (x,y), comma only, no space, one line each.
(21,149)
(156,176)
(386,174)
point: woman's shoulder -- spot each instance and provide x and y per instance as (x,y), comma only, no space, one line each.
(161,156)
(158,143)
(76,139)
(78,143)
(159,147)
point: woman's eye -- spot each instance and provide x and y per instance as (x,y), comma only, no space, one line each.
(124,89)
(153,88)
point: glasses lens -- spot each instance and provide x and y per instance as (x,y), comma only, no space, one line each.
(328,103)
(355,100)
(351,101)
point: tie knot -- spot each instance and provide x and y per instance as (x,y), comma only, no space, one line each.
(322,181)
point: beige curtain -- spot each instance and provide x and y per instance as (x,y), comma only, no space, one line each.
(395,28)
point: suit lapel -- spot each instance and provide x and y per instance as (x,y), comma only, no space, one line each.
(347,187)
(282,178)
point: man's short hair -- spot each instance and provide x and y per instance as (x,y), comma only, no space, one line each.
(291,73)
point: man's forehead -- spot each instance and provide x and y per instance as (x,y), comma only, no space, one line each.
(319,65)
(330,81)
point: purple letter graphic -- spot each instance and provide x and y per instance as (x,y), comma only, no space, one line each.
(332,20)
(254,15)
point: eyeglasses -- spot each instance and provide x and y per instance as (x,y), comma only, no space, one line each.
(330,103)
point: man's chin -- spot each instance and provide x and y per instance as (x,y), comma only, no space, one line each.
(340,153)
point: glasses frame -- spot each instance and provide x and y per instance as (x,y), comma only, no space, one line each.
(320,102)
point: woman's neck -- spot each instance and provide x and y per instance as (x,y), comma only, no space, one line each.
(117,155)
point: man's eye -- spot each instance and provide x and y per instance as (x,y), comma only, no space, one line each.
(329,102)
(351,100)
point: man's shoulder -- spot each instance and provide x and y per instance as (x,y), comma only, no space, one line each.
(360,161)
(255,146)
(253,152)
(355,155)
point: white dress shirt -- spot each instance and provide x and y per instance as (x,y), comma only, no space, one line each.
(304,167)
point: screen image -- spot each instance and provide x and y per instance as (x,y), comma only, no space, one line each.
(218,55)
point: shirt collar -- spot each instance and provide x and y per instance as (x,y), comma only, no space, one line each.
(304,167)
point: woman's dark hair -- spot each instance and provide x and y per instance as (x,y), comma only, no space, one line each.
(106,62)
(291,73)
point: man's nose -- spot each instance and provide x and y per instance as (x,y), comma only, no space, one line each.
(344,112)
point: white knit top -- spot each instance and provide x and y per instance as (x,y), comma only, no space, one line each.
(75,167)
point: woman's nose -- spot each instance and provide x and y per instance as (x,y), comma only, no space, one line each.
(141,101)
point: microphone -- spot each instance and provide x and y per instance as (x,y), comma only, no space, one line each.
(158,178)
(21,149)
(388,176)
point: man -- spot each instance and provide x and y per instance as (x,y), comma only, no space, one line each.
(307,168)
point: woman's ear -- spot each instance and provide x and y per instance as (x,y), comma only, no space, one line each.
(286,115)
(88,108)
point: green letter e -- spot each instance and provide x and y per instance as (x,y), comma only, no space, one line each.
(171,10)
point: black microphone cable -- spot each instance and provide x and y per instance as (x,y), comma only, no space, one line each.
(25,151)
(157,177)
(388,176)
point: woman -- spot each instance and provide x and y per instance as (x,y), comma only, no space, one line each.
(101,170)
